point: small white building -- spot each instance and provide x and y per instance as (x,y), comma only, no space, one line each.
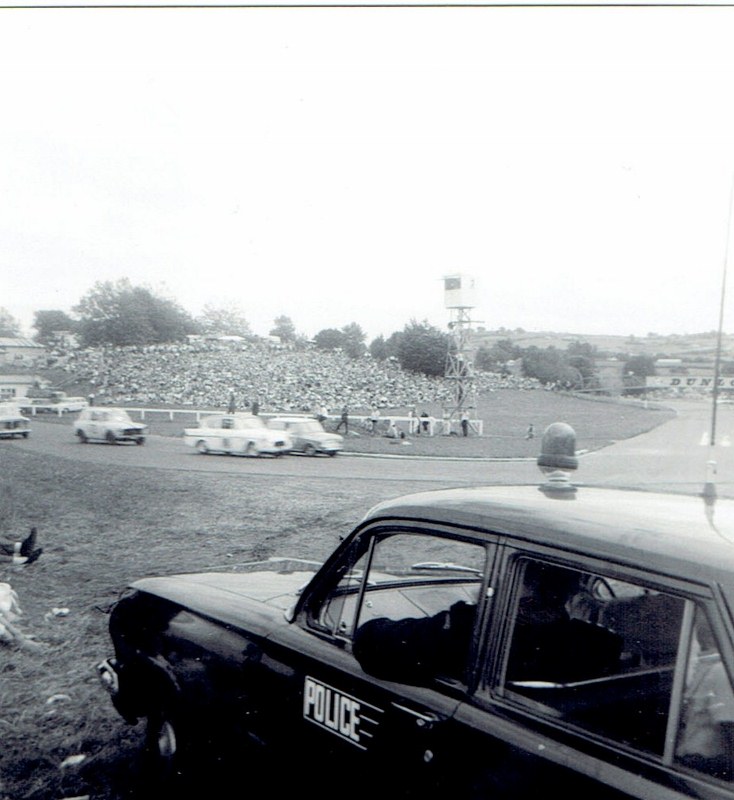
(15,385)
(20,352)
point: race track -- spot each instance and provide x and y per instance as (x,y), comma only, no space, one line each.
(673,456)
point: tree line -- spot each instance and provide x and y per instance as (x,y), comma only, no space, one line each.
(119,313)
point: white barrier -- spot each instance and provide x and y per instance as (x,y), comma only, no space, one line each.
(430,426)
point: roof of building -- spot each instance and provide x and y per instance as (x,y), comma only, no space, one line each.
(19,341)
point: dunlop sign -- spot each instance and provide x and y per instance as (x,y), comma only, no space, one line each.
(686,382)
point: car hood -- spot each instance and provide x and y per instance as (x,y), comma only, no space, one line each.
(275,582)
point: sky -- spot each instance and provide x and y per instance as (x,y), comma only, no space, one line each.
(334,164)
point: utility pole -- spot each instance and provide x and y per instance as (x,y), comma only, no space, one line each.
(459,299)
(717,361)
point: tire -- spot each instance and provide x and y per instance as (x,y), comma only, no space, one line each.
(252,449)
(110,438)
(309,450)
(165,751)
(140,440)
(25,435)
(332,453)
(82,437)
(202,447)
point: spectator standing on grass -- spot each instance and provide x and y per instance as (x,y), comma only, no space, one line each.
(256,406)
(392,430)
(374,419)
(414,425)
(425,421)
(530,433)
(464,423)
(231,408)
(344,420)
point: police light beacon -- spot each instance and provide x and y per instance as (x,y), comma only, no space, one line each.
(557,457)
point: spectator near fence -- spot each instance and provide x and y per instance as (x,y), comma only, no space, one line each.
(464,423)
(344,420)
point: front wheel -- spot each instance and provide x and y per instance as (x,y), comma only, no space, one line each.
(164,750)
(82,437)
(140,440)
(252,449)
(110,438)
(309,450)
(202,447)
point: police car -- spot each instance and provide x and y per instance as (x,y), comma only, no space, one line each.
(501,642)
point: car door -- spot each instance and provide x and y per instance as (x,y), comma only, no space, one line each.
(95,426)
(369,675)
(591,686)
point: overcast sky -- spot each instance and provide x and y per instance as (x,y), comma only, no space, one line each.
(334,164)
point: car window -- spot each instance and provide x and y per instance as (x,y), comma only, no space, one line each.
(247,423)
(595,653)
(408,606)
(706,733)
(119,416)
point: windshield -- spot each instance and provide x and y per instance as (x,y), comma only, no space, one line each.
(118,416)
(307,427)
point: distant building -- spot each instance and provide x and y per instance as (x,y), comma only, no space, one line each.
(15,385)
(17,351)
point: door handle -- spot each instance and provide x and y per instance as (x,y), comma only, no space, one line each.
(423,719)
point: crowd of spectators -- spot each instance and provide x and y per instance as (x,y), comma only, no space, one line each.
(204,374)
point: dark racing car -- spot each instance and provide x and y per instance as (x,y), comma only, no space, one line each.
(498,642)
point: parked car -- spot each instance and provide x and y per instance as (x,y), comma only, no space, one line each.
(57,403)
(467,643)
(309,436)
(12,422)
(111,425)
(237,434)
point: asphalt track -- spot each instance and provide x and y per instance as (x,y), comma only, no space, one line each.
(675,456)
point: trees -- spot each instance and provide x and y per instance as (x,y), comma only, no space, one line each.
(551,365)
(223,321)
(350,339)
(8,324)
(122,314)
(353,338)
(48,322)
(284,329)
(636,369)
(328,339)
(495,358)
(422,348)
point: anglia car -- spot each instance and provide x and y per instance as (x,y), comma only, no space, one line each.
(12,422)
(308,435)
(237,434)
(111,425)
(498,642)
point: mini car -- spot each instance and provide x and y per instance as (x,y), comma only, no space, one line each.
(111,425)
(469,643)
(12,422)
(309,436)
(237,434)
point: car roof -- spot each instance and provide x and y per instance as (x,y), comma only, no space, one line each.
(684,535)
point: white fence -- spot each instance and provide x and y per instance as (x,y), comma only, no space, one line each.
(430,426)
